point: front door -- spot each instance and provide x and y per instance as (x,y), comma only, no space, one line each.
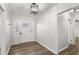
(24,34)
(22,31)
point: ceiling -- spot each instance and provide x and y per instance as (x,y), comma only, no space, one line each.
(24,8)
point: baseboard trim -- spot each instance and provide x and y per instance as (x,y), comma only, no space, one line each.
(63,49)
(3,52)
(22,42)
(8,50)
(47,47)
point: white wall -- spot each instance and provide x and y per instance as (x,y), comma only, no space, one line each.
(63,24)
(7,29)
(0,30)
(47,29)
(5,41)
(4,31)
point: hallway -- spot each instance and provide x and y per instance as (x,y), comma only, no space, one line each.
(39,28)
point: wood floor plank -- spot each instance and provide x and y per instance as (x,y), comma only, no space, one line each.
(34,48)
(30,48)
(72,49)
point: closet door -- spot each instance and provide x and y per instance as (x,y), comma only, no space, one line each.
(71,32)
(77,29)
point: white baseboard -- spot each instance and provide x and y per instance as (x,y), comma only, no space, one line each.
(22,42)
(8,50)
(47,47)
(63,49)
(3,52)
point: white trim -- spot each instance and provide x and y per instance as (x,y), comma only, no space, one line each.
(8,50)
(63,49)
(22,42)
(47,47)
(6,53)
(3,6)
(3,52)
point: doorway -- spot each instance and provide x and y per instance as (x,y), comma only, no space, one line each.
(23,31)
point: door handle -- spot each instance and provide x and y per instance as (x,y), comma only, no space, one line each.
(20,33)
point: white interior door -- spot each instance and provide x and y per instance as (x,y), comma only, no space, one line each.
(76,29)
(22,31)
(71,32)
(24,34)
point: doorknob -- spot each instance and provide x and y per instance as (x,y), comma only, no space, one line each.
(20,33)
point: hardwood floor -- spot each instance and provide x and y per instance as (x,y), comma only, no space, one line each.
(72,49)
(34,48)
(30,48)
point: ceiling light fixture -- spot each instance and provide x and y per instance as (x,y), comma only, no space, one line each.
(34,9)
